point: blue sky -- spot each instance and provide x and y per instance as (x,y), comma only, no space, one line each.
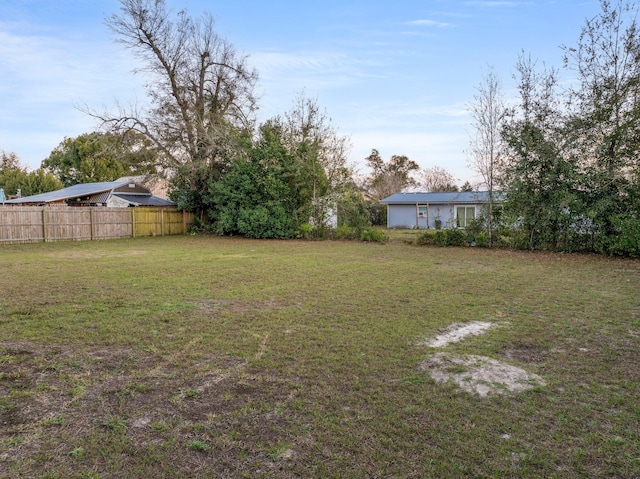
(395,76)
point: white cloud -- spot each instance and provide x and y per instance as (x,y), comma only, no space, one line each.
(428,23)
(323,69)
(44,77)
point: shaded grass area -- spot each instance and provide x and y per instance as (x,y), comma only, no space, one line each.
(223,357)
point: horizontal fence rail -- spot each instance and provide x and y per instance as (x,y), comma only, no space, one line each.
(37,224)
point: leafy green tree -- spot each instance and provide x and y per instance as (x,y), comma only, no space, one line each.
(13,177)
(320,155)
(262,193)
(605,119)
(466,187)
(251,200)
(353,212)
(189,185)
(539,182)
(12,180)
(288,175)
(95,157)
(572,166)
(40,181)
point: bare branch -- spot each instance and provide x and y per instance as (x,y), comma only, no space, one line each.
(199,86)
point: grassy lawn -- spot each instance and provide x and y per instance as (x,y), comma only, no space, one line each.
(222,357)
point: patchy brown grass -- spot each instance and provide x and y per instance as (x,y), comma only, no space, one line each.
(118,404)
(218,357)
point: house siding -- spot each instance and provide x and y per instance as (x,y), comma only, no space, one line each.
(405,216)
(402,208)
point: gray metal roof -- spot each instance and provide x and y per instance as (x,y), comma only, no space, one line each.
(75,191)
(141,200)
(83,189)
(462,197)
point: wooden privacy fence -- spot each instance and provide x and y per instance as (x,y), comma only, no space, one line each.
(37,224)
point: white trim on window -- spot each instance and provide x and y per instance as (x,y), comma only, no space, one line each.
(465,219)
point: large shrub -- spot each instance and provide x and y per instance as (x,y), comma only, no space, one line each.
(373,235)
(627,240)
(352,212)
(455,237)
(377,214)
(446,237)
(427,237)
(252,201)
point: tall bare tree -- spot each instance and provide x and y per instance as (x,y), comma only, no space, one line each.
(488,112)
(312,139)
(199,86)
(437,179)
(311,135)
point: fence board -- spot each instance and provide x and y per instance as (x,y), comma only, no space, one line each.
(148,222)
(20,225)
(109,223)
(67,223)
(35,224)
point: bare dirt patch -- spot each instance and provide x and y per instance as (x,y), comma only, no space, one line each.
(457,332)
(526,352)
(479,374)
(56,399)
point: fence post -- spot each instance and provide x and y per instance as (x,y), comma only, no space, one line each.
(161,221)
(44,225)
(133,222)
(91,221)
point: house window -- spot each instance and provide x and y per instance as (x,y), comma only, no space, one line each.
(465,215)
(422,211)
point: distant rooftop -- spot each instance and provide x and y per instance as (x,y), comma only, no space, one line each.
(97,193)
(83,189)
(458,197)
